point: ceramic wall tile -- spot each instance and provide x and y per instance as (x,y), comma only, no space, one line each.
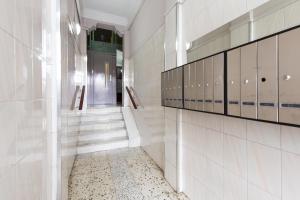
(7,15)
(290,176)
(264,168)
(264,133)
(8,134)
(255,3)
(290,139)
(7,67)
(235,187)
(22,26)
(23,57)
(8,182)
(235,127)
(235,155)
(255,192)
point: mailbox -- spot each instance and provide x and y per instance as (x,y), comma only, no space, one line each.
(289,77)
(193,88)
(218,63)
(179,87)
(172,84)
(187,86)
(200,85)
(163,89)
(234,82)
(209,86)
(249,81)
(268,79)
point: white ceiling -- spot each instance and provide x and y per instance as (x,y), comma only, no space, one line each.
(119,13)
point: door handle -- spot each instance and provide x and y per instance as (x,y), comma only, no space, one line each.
(106,73)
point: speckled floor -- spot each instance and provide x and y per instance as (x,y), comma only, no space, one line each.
(125,174)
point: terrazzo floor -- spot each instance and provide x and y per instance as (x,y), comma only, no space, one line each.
(124,174)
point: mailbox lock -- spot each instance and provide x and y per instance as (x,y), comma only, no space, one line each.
(192,86)
(232,82)
(263,79)
(246,81)
(206,84)
(199,85)
(286,77)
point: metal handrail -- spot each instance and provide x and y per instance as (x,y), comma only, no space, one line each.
(135,105)
(73,105)
(137,99)
(82,98)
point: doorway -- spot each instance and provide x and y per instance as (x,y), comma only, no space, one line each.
(104,68)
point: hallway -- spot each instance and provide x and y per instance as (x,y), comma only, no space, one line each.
(124,174)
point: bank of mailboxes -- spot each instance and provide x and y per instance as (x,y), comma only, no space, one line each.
(263,79)
(172,88)
(204,85)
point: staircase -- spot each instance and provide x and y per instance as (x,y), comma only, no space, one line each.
(102,129)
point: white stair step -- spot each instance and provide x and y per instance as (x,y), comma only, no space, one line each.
(105,110)
(102,135)
(102,126)
(101,145)
(93,126)
(95,117)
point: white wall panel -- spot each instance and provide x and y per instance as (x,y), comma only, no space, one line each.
(202,17)
(148,20)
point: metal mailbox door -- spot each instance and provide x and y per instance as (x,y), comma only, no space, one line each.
(200,85)
(234,82)
(267,79)
(218,62)
(163,89)
(249,81)
(167,88)
(187,86)
(209,86)
(172,87)
(289,77)
(179,87)
(193,89)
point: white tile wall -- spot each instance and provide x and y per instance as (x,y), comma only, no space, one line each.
(25,109)
(244,160)
(23,112)
(72,62)
(148,63)
(201,16)
(170,140)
